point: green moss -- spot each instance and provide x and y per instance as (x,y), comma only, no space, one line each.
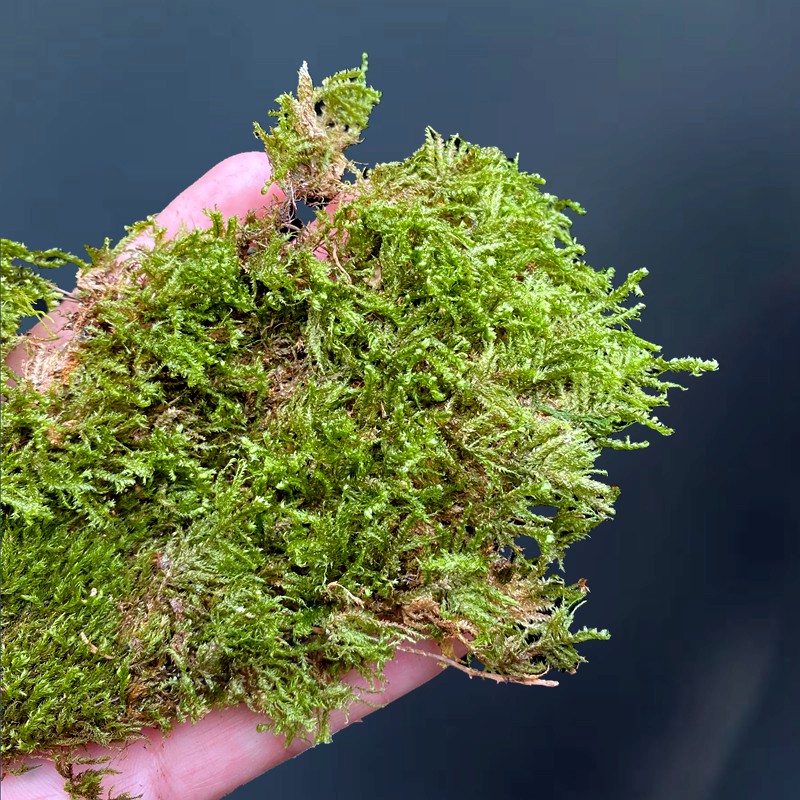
(256,470)
(23,289)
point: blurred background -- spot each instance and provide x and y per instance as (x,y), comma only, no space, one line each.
(676,126)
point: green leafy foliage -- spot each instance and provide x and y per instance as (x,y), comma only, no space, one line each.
(264,468)
(22,288)
(307,143)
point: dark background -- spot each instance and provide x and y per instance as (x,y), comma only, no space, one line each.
(677,126)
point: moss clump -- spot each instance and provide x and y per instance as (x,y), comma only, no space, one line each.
(255,469)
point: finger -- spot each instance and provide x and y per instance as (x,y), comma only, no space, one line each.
(45,338)
(210,758)
(228,751)
(224,750)
(323,251)
(233,187)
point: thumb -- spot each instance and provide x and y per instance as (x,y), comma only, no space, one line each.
(232,187)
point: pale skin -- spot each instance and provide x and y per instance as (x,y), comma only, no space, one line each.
(208,759)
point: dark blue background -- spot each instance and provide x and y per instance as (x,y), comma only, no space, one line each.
(677,126)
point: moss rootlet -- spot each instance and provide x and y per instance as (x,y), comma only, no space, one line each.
(255,467)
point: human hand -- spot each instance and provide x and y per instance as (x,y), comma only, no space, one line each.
(210,758)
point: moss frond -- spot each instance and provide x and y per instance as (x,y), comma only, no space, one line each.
(306,144)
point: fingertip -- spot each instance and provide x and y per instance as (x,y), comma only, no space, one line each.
(233,187)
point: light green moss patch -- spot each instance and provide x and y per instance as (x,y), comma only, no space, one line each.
(257,470)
